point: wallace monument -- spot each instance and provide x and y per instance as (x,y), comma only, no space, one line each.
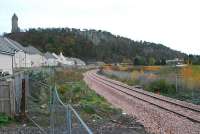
(15,27)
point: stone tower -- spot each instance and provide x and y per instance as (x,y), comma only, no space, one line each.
(15,27)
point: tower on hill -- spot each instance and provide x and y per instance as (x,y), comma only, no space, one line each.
(15,27)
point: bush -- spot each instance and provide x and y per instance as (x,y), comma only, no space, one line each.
(4,119)
(161,86)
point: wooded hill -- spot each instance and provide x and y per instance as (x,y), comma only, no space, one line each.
(92,45)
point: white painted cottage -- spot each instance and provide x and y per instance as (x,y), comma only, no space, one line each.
(21,58)
(36,57)
(66,61)
(78,62)
(62,60)
(6,57)
(51,60)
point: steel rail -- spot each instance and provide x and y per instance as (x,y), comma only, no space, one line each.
(96,79)
(153,96)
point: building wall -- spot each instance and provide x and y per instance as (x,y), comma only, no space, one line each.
(36,60)
(6,63)
(51,62)
(21,60)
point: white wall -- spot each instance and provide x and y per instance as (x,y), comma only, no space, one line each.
(21,59)
(36,60)
(6,63)
(51,62)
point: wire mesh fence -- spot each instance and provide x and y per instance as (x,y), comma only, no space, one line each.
(64,118)
(47,111)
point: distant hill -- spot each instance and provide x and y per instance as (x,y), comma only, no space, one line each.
(93,45)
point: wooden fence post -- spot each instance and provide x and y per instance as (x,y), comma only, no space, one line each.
(23,100)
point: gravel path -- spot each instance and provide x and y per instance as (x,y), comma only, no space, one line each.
(155,119)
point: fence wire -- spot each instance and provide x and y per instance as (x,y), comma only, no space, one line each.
(46,109)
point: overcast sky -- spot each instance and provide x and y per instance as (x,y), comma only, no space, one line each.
(174,23)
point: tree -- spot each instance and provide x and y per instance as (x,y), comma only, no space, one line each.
(151,61)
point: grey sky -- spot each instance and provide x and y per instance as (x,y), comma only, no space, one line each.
(174,23)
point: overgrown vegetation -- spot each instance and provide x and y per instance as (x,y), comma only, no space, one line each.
(5,119)
(73,90)
(177,82)
(93,109)
(161,86)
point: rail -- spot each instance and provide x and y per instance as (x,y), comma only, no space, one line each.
(106,81)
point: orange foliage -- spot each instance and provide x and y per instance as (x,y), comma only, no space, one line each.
(108,67)
(151,68)
(191,74)
(186,71)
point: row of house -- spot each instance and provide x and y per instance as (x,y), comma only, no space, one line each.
(53,59)
(14,55)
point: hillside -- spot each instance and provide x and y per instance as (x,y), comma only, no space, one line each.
(92,45)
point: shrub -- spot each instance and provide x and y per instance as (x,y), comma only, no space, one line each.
(4,119)
(161,86)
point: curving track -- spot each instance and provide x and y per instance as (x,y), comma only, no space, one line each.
(180,108)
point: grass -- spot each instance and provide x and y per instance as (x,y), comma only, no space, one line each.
(5,119)
(85,100)
(92,108)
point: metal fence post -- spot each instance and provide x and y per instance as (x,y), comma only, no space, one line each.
(69,120)
(79,127)
(52,110)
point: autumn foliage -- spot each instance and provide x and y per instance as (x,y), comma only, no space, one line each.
(191,75)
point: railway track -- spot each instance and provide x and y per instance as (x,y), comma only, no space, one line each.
(183,109)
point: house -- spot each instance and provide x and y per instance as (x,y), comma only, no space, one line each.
(51,60)
(175,61)
(21,58)
(36,57)
(66,61)
(78,62)
(63,61)
(6,57)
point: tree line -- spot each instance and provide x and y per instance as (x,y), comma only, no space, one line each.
(92,45)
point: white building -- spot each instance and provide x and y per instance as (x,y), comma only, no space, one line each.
(6,57)
(21,58)
(51,60)
(36,57)
(64,61)
(78,62)
(175,61)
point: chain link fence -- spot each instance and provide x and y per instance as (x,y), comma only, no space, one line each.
(47,111)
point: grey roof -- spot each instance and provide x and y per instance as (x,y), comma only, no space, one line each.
(10,46)
(5,47)
(19,46)
(49,56)
(32,50)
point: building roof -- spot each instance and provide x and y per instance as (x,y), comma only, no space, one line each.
(10,46)
(16,44)
(48,55)
(32,50)
(5,47)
